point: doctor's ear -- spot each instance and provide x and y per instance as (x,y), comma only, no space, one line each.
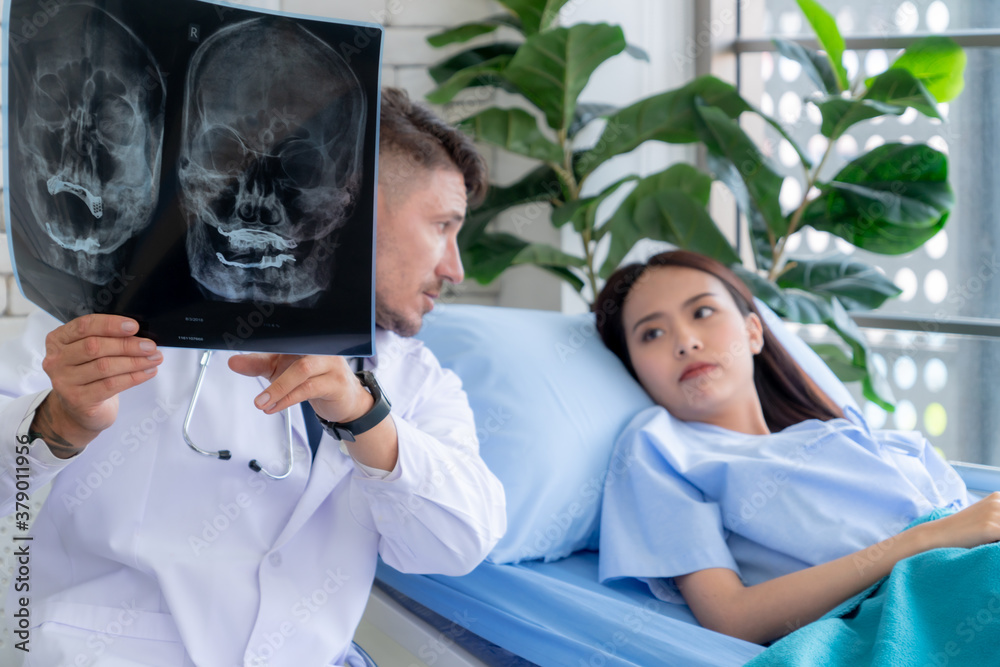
(755,333)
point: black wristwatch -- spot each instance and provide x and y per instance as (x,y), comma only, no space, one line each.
(348,431)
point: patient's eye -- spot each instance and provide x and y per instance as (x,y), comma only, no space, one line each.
(703,311)
(650,334)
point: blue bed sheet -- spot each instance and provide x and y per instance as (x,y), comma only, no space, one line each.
(556,614)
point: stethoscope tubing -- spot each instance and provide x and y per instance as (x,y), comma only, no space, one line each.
(225,454)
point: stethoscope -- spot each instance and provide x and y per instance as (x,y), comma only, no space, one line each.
(224,454)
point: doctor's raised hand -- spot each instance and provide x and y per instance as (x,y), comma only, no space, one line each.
(334,392)
(90,360)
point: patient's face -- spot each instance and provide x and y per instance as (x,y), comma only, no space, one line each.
(691,347)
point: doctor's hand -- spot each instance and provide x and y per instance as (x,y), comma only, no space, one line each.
(336,395)
(90,360)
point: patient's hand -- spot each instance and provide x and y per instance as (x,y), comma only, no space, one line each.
(768,610)
(977,524)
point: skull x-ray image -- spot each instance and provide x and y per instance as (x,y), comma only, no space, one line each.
(204,168)
(90,134)
(271,160)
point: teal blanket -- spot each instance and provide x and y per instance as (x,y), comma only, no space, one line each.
(940,608)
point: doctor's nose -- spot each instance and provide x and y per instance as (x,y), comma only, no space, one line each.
(450,267)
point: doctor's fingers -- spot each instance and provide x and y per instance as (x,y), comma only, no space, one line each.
(103,368)
(261,364)
(326,378)
(89,387)
(96,325)
(88,349)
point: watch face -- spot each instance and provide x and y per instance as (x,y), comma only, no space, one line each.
(370,382)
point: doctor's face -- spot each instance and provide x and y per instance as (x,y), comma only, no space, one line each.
(691,347)
(417,246)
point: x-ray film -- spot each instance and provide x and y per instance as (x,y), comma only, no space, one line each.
(206,169)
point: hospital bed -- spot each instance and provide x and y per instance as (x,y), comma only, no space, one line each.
(549,400)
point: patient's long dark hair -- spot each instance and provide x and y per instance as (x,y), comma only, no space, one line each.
(787,395)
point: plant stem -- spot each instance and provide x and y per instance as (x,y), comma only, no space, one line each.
(573,194)
(793,224)
(588,249)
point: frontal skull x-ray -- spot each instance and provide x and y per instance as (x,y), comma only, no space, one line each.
(271,159)
(90,132)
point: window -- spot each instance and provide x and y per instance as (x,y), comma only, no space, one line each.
(943,383)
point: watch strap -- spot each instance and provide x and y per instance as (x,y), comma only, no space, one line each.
(348,431)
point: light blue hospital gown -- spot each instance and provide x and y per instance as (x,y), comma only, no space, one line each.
(685,496)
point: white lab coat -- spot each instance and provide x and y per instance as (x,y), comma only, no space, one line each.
(147,553)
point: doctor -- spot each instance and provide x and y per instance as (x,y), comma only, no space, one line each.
(147,554)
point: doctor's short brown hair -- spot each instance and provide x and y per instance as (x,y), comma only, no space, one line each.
(412,136)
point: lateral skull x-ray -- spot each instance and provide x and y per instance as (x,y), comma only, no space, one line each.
(271,161)
(90,133)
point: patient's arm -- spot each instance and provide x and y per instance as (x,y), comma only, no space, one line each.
(772,609)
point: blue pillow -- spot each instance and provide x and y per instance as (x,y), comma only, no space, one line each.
(550,401)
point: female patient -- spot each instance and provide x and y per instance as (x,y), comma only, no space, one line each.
(786,506)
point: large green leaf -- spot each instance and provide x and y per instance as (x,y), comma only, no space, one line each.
(515,130)
(465,32)
(876,387)
(816,65)
(890,200)
(901,88)
(535,15)
(486,74)
(540,185)
(807,308)
(938,62)
(762,288)
(575,281)
(473,57)
(583,212)
(891,92)
(492,254)
(670,215)
(552,68)
(737,159)
(669,117)
(829,37)
(680,176)
(839,114)
(587,112)
(637,52)
(858,286)
(837,361)
(762,241)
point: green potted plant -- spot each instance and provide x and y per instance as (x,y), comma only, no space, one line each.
(889,200)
